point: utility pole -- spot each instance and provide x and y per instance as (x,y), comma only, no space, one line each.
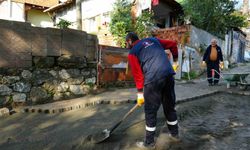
(79,14)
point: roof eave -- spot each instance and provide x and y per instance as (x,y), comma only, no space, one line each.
(58,6)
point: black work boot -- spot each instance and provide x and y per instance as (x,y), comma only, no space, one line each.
(173,129)
(150,137)
(145,146)
(149,142)
(171,132)
(216,84)
(174,138)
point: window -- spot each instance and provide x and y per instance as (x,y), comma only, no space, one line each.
(105,19)
(91,25)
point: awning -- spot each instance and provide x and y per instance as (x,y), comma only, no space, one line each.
(58,6)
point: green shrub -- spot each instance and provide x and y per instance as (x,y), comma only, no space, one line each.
(63,24)
(192,75)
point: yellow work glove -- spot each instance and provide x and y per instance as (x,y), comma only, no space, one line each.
(175,66)
(221,65)
(140,99)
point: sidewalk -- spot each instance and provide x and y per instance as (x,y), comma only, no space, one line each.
(184,91)
(71,129)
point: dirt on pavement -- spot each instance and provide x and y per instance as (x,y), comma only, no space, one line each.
(215,122)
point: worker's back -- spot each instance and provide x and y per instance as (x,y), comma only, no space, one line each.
(153,60)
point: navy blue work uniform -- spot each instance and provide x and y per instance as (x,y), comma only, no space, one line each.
(153,73)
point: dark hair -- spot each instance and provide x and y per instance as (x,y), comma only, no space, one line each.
(132,36)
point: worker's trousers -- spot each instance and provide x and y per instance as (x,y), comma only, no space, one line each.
(157,93)
(213,77)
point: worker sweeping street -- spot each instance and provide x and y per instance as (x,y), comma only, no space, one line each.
(153,75)
(214,60)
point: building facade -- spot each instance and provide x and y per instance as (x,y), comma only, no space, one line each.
(30,11)
(95,20)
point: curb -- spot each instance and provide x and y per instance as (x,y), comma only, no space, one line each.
(68,107)
(79,103)
(245,93)
(197,97)
(59,107)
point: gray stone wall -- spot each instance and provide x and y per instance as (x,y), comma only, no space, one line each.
(199,40)
(50,79)
(19,42)
(200,37)
(39,65)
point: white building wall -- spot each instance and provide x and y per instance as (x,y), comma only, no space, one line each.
(5,10)
(39,19)
(12,11)
(142,5)
(69,14)
(92,17)
(93,8)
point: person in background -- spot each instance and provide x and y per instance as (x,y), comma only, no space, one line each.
(214,60)
(153,76)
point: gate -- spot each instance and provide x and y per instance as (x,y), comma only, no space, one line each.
(112,66)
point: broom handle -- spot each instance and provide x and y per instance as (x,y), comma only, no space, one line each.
(130,111)
(125,116)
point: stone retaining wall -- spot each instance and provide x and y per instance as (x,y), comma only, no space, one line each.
(39,65)
(50,79)
(19,42)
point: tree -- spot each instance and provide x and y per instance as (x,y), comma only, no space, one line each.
(121,21)
(144,23)
(214,16)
